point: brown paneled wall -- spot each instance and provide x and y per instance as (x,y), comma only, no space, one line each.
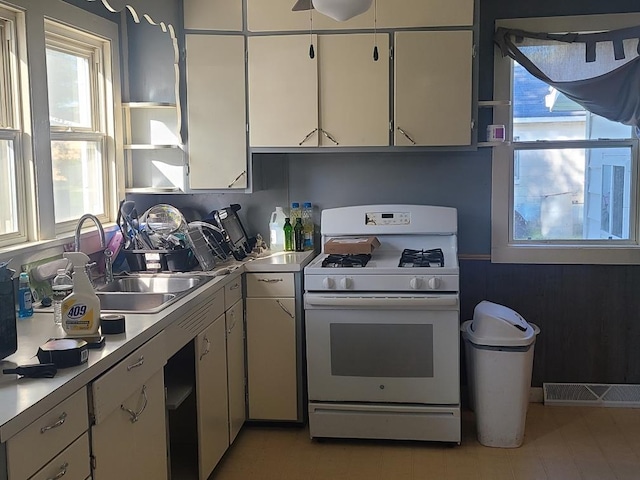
(589,315)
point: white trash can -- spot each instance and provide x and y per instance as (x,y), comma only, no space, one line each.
(499,346)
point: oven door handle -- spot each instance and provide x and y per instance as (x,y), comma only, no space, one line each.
(396,302)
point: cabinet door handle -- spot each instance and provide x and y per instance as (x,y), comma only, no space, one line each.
(237,178)
(284,308)
(61,473)
(271,280)
(235,286)
(406,135)
(308,135)
(61,420)
(328,135)
(139,363)
(233,325)
(207,348)
(135,416)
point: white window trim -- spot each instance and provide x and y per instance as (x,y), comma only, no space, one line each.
(503,249)
(40,225)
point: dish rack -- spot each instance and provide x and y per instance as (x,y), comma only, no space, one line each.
(202,239)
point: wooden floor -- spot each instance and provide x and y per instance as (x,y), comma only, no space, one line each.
(561,443)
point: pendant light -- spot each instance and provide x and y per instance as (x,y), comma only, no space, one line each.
(342,10)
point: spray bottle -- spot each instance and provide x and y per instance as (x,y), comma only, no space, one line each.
(81,309)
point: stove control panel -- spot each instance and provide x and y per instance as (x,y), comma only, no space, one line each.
(387,218)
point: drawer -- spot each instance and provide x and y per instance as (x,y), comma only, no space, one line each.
(112,388)
(37,444)
(71,464)
(270,285)
(232,292)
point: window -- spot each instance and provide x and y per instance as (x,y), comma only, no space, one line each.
(76,83)
(12,219)
(564,187)
(59,91)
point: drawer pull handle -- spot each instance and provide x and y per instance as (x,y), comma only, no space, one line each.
(235,286)
(271,280)
(284,308)
(135,416)
(139,363)
(61,473)
(206,348)
(61,420)
(233,325)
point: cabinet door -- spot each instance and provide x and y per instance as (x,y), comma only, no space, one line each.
(283,85)
(433,73)
(235,369)
(421,13)
(128,447)
(271,359)
(354,90)
(211,396)
(216,109)
(213,14)
(276,15)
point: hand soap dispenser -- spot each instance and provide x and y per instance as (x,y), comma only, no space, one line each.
(81,309)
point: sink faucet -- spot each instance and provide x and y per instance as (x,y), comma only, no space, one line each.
(108,270)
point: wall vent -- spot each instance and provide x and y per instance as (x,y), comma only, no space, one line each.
(592,394)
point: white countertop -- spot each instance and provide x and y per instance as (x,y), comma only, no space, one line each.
(23,400)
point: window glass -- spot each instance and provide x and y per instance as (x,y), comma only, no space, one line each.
(8,191)
(572,194)
(70,89)
(77,179)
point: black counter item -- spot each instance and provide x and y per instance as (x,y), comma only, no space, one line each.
(8,332)
(111,324)
(65,352)
(37,370)
(228,221)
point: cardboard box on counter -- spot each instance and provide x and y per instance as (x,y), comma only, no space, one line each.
(351,245)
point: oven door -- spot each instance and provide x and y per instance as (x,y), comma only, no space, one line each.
(383,348)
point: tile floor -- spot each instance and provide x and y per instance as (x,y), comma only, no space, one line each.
(561,443)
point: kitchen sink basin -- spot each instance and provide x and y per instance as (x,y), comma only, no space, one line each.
(155,283)
(135,302)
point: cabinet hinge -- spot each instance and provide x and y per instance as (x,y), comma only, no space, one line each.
(391,126)
(473,123)
(390,53)
(93,462)
(246,56)
(474,51)
(247,127)
(187,169)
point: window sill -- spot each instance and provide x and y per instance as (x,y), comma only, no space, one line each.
(567,254)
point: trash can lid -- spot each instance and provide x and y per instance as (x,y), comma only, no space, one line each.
(497,325)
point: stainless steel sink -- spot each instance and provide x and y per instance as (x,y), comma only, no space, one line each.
(147,293)
(135,302)
(154,283)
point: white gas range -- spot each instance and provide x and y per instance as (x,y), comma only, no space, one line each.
(382,330)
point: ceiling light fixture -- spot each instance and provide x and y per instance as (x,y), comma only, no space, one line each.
(340,10)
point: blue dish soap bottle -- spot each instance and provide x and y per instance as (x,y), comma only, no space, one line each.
(25,299)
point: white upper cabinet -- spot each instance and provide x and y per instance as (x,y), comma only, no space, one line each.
(424,13)
(283,85)
(216,109)
(276,15)
(225,15)
(338,98)
(433,88)
(354,90)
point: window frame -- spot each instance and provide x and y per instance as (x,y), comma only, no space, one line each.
(70,39)
(504,249)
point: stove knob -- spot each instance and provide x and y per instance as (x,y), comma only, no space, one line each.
(434,283)
(328,282)
(345,283)
(415,283)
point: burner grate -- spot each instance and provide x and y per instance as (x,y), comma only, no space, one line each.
(349,260)
(422,258)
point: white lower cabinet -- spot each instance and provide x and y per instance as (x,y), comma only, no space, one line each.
(128,438)
(211,396)
(234,317)
(272,347)
(33,449)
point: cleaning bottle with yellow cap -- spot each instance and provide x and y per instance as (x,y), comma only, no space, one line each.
(81,309)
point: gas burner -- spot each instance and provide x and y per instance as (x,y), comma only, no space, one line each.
(422,258)
(350,260)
